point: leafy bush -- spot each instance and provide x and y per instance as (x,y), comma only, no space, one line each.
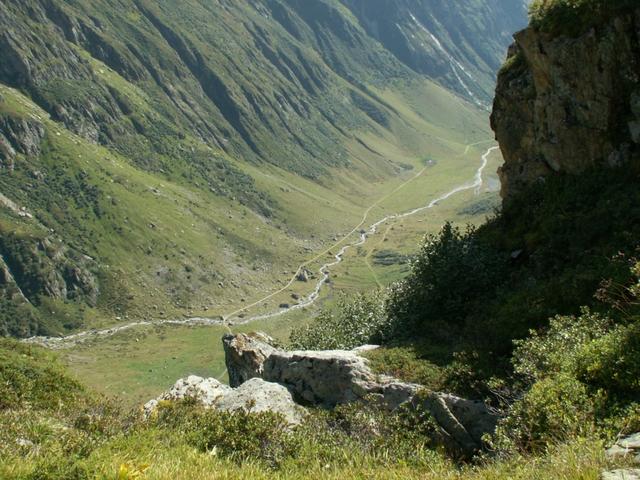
(553,410)
(612,362)
(451,270)
(551,351)
(325,435)
(358,321)
(581,376)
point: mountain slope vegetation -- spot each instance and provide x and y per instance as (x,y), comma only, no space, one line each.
(154,154)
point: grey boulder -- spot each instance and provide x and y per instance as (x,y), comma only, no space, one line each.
(256,395)
(626,447)
(622,474)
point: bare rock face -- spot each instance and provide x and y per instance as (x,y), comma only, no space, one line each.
(565,104)
(328,377)
(19,135)
(47,267)
(245,355)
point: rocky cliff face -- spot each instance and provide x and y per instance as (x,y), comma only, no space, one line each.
(565,104)
(19,135)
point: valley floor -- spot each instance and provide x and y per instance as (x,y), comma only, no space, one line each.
(138,362)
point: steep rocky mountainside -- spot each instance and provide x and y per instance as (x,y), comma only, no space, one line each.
(239,74)
(566,103)
(141,138)
(459,43)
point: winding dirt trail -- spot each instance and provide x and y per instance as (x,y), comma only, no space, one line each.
(324,271)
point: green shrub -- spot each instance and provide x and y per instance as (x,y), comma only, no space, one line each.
(241,435)
(451,270)
(326,436)
(551,351)
(554,410)
(30,375)
(357,321)
(581,377)
(612,362)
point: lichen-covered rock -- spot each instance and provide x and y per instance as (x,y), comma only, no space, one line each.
(245,355)
(565,104)
(626,447)
(256,395)
(622,474)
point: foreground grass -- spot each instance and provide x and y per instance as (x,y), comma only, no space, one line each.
(160,458)
(58,429)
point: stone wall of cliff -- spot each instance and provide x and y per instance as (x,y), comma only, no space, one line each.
(565,104)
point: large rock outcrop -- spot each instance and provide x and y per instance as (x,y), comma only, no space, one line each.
(269,379)
(329,378)
(19,135)
(326,378)
(565,104)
